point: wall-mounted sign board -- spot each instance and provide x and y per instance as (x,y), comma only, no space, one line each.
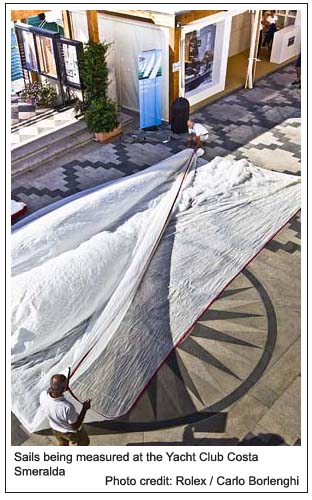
(49,54)
(38,49)
(70,57)
(176,66)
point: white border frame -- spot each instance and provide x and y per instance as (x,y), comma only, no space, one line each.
(225,17)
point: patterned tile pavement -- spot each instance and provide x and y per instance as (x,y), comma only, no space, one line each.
(248,123)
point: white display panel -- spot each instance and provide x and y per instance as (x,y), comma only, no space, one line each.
(204,55)
(286,44)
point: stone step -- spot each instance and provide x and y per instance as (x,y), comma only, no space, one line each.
(29,148)
(41,151)
(39,116)
(45,148)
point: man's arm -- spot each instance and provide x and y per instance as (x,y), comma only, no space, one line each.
(85,407)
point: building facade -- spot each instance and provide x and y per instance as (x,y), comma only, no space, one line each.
(200,51)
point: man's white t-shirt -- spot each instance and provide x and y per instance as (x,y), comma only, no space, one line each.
(199,130)
(60,412)
(272,20)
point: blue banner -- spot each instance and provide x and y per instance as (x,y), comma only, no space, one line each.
(150,88)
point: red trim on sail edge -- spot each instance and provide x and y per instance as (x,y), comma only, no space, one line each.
(108,417)
(156,244)
(198,318)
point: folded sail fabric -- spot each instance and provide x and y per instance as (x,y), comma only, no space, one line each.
(106,285)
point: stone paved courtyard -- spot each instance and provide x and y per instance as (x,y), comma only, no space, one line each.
(237,375)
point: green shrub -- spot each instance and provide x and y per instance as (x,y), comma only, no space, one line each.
(101,115)
(94,71)
(100,111)
(43,95)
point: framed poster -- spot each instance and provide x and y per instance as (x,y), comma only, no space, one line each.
(49,54)
(199,58)
(27,49)
(37,48)
(204,55)
(46,56)
(70,50)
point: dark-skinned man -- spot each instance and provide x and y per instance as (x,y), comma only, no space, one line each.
(64,421)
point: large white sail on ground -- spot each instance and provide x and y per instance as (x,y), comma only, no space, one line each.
(96,289)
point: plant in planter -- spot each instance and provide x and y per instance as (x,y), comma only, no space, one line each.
(100,111)
(42,95)
(101,115)
(94,70)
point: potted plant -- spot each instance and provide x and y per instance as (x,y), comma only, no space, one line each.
(101,118)
(41,95)
(100,111)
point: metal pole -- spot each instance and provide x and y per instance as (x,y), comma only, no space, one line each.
(253,48)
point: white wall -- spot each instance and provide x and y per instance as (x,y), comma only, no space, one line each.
(128,38)
(240,33)
(132,37)
(80,32)
(80,25)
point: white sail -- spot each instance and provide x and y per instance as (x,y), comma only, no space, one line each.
(110,282)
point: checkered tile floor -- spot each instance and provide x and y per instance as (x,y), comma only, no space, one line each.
(42,124)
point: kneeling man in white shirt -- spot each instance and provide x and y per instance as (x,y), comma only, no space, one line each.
(198,133)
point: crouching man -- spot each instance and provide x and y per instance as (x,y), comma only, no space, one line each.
(64,421)
(198,134)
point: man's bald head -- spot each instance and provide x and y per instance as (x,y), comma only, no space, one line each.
(58,384)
